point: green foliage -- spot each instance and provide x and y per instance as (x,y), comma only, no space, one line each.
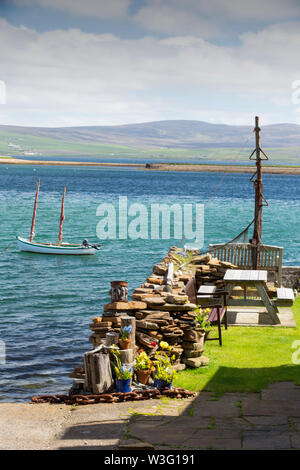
(122,372)
(163,367)
(143,362)
(201,318)
(125,332)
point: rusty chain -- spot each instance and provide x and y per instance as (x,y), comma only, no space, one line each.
(112,397)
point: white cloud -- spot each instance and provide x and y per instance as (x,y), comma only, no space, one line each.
(71,77)
(211,18)
(91,8)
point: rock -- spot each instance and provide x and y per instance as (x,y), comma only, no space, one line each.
(214,262)
(153,280)
(98,327)
(176,308)
(112,314)
(202,268)
(160,269)
(226,264)
(189,353)
(196,361)
(142,290)
(172,335)
(121,306)
(179,367)
(154,302)
(115,321)
(101,324)
(153,287)
(146,325)
(145,340)
(177,299)
(203,259)
(154,314)
(141,297)
(194,346)
(185,278)
(193,336)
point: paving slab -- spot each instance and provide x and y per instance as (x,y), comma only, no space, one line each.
(258,440)
(291,394)
(255,407)
(269,420)
(258,316)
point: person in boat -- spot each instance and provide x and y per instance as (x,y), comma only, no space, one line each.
(85,243)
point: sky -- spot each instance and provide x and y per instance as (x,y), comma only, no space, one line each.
(99,62)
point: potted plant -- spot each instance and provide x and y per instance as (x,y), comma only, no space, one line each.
(164,372)
(123,373)
(124,339)
(203,326)
(143,367)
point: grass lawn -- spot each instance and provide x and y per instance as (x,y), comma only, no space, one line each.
(250,359)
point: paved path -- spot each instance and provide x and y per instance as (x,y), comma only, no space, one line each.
(258,316)
(269,420)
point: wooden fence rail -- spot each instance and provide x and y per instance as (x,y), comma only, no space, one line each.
(240,254)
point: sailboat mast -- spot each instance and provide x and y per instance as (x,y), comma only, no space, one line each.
(62,216)
(258,186)
(34,212)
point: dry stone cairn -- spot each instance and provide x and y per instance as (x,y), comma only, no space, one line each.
(162,309)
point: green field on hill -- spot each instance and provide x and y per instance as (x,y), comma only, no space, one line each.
(47,147)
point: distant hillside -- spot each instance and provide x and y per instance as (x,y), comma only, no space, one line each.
(163,134)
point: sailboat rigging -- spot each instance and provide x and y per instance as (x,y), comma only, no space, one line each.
(60,248)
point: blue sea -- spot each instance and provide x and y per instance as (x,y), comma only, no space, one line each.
(47,302)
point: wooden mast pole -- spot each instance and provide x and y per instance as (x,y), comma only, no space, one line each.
(258,185)
(62,217)
(34,212)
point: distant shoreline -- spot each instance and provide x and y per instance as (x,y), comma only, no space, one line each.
(215,168)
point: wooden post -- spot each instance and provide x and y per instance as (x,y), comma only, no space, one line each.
(130,321)
(34,212)
(111,338)
(126,356)
(98,375)
(256,239)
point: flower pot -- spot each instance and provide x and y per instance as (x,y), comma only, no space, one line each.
(161,384)
(125,343)
(123,385)
(143,376)
(202,334)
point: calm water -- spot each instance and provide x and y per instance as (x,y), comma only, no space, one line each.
(47,302)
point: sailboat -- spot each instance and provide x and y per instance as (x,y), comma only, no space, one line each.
(60,248)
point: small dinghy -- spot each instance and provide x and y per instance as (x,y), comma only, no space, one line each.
(60,248)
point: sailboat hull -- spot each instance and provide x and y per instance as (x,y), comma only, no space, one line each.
(52,249)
